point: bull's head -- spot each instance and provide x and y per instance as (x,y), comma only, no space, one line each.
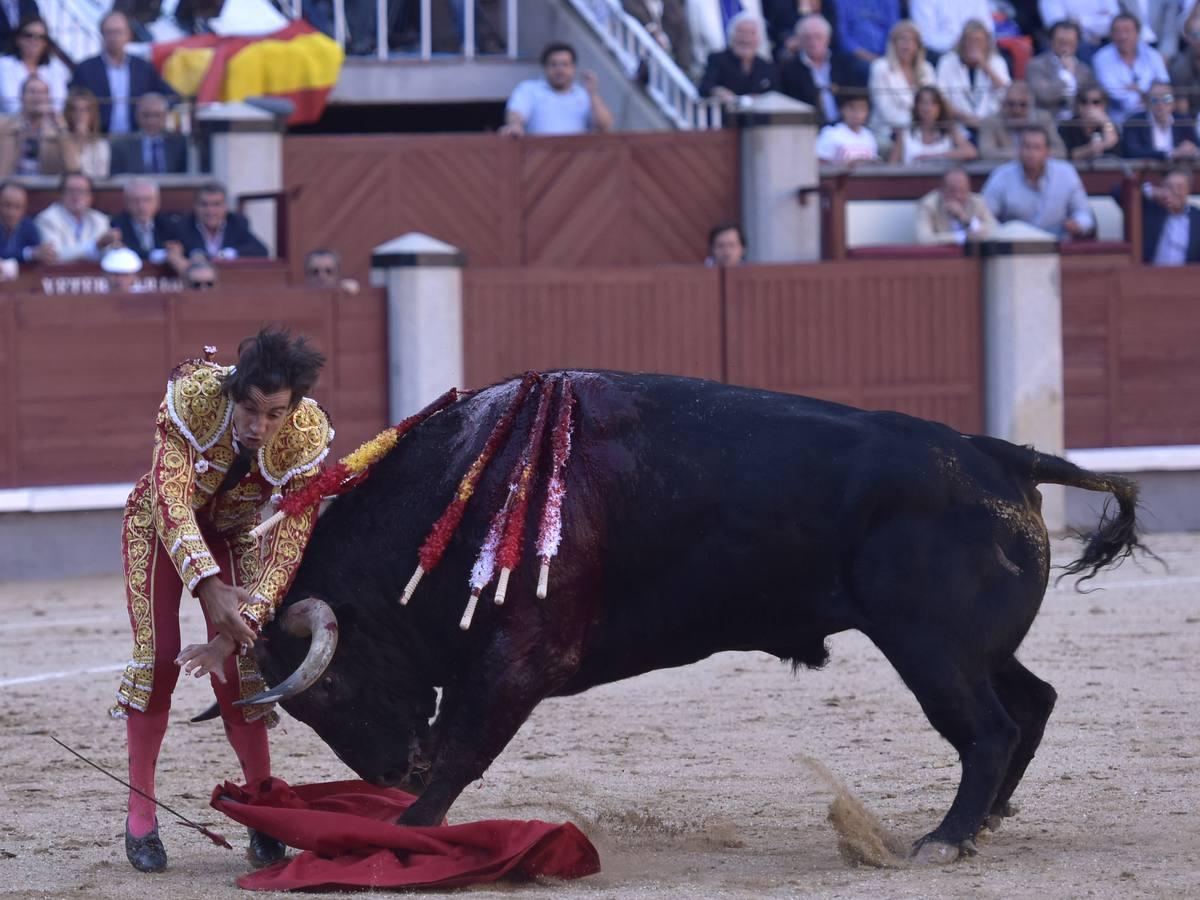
(358,700)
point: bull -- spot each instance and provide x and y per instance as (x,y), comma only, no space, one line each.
(698,517)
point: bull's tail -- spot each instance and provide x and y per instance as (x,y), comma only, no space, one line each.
(1115,537)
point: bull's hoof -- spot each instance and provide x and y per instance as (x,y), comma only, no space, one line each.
(929,851)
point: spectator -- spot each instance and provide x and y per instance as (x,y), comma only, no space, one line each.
(934,134)
(941,22)
(1126,68)
(1162,23)
(739,69)
(814,74)
(782,17)
(973,76)
(323,269)
(31,143)
(70,228)
(709,21)
(1185,67)
(145,230)
(895,77)
(1094,17)
(19,237)
(1160,134)
(555,104)
(726,245)
(12,14)
(152,150)
(216,231)
(666,20)
(84,148)
(31,56)
(1057,75)
(1038,190)
(863,28)
(951,214)
(1000,136)
(1170,225)
(849,142)
(122,266)
(200,275)
(116,78)
(1091,133)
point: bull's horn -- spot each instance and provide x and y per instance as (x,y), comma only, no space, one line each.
(310,617)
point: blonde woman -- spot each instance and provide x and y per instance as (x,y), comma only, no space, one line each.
(85,149)
(973,76)
(894,80)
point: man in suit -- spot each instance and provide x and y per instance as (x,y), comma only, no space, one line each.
(215,231)
(19,238)
(1057,76)
(951,214)
(1160,133)
(815,74)
(1170,225)
(144,229)
(152,150)
(116,78)
(1000,136)
(12,14)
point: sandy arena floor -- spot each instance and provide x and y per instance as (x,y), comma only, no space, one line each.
(692,782)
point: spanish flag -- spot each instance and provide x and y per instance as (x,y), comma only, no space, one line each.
(297,62)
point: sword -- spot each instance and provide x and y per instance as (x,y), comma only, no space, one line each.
(218,839)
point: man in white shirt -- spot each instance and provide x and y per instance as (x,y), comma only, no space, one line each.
(556,104)
(70,228)
(1127,67)
(1046,193)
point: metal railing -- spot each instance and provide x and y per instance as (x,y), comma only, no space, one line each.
(643,57)
(467,27)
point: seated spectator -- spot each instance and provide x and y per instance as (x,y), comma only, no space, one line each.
(31,56)
(726,245)
(121,265)
(12,14)
(739,69)
(894,80)
(117,78)
(84,147)
(849,142)
(1000,136)
(555,104)
(1126,68)
(1185,67)
(70,228)
(152,150)
(814,73)
(1091,133)
(1160,134)
(951,214)
(323,269)
(666,20)
(214,230)
(941,22)
(1170,225)
(1040,191)
(19,238)
(709,22)
(145,230)
(862,29)
(934,134)
(1094,17)
(31,143)
(1057,76)
(200,275)
(973,76)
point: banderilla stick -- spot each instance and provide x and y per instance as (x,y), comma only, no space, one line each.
(218,839)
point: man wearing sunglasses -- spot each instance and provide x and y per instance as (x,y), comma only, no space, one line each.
(1159,133)
(323,269)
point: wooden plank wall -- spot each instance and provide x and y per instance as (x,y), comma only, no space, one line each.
(83,382)
(629,199)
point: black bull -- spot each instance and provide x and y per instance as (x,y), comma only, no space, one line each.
(699,517)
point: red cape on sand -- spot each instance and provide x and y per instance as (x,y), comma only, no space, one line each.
(348,837)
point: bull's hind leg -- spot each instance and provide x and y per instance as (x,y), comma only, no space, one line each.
(1029,701)
(965,710)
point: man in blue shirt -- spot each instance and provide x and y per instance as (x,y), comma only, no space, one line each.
(1127,67)
(862,28)
(556,104)
(19,238)
(1041,191)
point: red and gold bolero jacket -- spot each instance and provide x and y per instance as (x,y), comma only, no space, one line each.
(194,446)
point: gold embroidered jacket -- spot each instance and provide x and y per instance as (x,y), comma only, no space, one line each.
(194,446)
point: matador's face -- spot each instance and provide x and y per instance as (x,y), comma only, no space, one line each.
(258,417)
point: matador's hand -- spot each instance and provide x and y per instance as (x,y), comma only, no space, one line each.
(206,659)
(222,604)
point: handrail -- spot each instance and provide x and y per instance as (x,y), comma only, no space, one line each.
(634,47)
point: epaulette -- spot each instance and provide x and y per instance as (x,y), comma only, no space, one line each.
(195,402)
(300,446)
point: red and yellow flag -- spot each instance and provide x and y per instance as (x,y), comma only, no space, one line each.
(298,63)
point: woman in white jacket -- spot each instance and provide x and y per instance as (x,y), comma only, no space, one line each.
(973,76)
(894,80)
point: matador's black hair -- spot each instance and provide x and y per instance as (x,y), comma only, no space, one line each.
(274,361)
